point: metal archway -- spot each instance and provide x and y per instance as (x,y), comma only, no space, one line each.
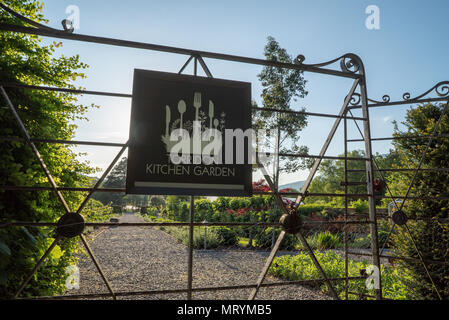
(350,66)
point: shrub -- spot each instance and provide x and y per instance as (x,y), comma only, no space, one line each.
(326,240)
(116,209)
(360,206)
(361,242)
(301,267)
(264,238)
(97,211)
(213,237)
(228,236)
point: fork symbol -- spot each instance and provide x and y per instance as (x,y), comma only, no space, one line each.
(197,103)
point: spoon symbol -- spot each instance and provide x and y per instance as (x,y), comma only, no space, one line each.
(181,109)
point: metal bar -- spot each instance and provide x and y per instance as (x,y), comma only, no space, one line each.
(401,258)
(301,197)
(350,195)
(266,267)
(394,103)
(78,189)
(124,95)
(327,143)
(149,224)
(204,66)
(74,91)
(190,257)
(388,238)
(402,169)
(319,157)
(185,65)
(97,265)
(89,143)
(195,65)
(35,151)
(199,289)
(345,233)
(169,49)
(326,115)
(100,181)
(270,259)
(370,187)
(38,264)
(279,240)
(386,185)
(173,224)
(402,137)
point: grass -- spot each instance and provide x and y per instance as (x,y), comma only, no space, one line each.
(322,241)
(244,242)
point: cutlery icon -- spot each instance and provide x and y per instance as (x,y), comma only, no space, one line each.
(197,103)
(216,122)
(167,119)
(211,112)
(181,109)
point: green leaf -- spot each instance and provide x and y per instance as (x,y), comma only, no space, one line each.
(4,249)
(29,235)
(3,277)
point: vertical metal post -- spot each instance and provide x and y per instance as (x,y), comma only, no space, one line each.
(345,233)
(195,66)
(191,229)
(190,258)
(205,235)
(370,187)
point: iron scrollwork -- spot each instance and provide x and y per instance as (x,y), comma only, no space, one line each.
(441,89)
(349,62)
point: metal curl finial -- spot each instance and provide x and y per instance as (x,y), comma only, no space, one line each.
(67,25)
(348,62)
(355,99)
(65,22)
(386,98)
(441,89)
(299,59)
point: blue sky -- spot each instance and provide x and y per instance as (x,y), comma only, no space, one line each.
(407,53)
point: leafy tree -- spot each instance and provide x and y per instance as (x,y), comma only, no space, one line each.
(280,88)
(332,173)
(157,201)
(46,115)
(431,236)
(117,179)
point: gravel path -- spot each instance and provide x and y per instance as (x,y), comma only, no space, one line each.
(145,258)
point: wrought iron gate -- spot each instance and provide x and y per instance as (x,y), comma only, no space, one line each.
(351,66)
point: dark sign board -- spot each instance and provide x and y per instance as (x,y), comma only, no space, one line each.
(211,158)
